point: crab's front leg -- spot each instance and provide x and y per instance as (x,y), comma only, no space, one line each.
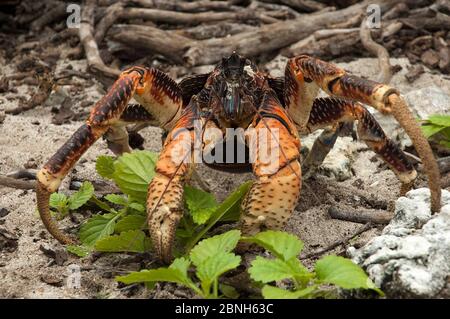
(274,147)
(159,96)
(165,191)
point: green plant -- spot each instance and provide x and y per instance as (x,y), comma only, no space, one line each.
(437,127)
(121,223)
(63,204)
(329,270)
(211,258)
(120,226)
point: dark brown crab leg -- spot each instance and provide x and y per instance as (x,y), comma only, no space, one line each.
(330,111)
(335,81)
(274,194)
(155,91)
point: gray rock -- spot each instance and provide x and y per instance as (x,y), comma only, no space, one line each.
(423,103)
(338,163)
(411,258)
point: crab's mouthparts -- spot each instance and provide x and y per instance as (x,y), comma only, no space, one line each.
(232,103)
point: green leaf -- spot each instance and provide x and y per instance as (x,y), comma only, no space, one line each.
(131,222)
(430,130)
(116,199)
(229,207)
(128,241)
(80,250)
(445,143)
(182,264)
(133,172)
(225,242)
(440,120)
(281,244)
(58,200)
(177,272)
(105,166)
(160,274)
(201,204)
(215,265)
(229,291)
(81,197)
(102,205)
(268,270)
(344,273)
(96,228)
(271,292)
(137,207)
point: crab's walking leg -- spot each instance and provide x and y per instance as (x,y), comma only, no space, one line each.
(165,191)
(152,88)
(384,98)
(330,111)
(274,147)
(320,149)
(117,135)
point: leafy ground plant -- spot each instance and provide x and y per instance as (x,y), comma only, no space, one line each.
(437,127)
(329,270)
(211,258)
(120,225)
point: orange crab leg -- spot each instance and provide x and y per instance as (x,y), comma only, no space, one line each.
(329,111)
(165,191)
(274,195)
(155,91)
(337,82)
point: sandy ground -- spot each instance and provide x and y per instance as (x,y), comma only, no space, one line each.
(30,139)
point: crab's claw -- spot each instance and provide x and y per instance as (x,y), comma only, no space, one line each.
(165,192)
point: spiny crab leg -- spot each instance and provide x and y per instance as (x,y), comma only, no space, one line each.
(156,92)
(165,191)
(331,111)
(337,82)
(276,166)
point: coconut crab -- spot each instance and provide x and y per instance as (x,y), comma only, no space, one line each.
(237,95)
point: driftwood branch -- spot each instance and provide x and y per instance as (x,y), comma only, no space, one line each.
(177,18)
(252,43)
(363,217)
(111,15)
(195,6)
(95,62)
(57,11)
(377,49)
(42,93)
(16,183)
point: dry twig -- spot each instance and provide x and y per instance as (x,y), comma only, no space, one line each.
(377,49)
(343,241)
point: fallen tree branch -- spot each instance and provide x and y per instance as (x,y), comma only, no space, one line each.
(377,49)
(95,62)
(326,44)
(216,30)
(40,96)
(56,11)
(195,6)
(112,13)
(16,183)
(363,217)
(177,18)
(166,43)
(267,38)
(337,243)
